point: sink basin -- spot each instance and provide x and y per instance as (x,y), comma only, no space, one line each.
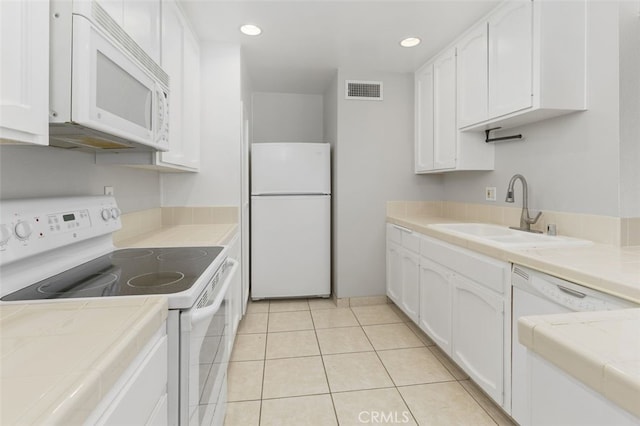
(505,237)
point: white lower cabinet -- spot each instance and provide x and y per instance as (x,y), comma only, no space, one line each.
(410,300)
(394,272)
(460,299)
(435,303)
(478,335)
(139,396)
(403,269)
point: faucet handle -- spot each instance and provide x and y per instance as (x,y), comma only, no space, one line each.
(531,221)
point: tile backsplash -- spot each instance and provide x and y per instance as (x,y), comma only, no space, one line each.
(141,222)
(602,229)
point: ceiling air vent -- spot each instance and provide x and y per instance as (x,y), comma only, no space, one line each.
(364,90)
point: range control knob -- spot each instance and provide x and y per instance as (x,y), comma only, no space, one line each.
(115,212)
(5,234)
(23,229)
(106,214)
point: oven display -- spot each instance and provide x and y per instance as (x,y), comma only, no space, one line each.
(68,217)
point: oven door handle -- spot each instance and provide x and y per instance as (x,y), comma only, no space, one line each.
(207,312)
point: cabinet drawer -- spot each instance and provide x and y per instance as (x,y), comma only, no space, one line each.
(394,233)
(482,269)
(411,241)
(404,237)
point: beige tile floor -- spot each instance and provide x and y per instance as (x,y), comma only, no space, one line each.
(307,362)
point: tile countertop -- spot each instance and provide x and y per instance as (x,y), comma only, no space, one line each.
(184,236)
(601,349)
(610,269)
(59,359)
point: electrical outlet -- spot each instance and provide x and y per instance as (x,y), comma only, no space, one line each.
(490,193)
(108,190)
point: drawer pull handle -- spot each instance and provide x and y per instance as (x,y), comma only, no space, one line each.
(572,292)
(400,228)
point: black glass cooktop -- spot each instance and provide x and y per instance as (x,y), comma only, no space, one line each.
(126,272)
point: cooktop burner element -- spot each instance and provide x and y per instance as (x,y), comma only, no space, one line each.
(155,279)
(131,254)
(126,272)
(90,283)
(183,254)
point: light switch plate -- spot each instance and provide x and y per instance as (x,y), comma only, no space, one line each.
(108,190)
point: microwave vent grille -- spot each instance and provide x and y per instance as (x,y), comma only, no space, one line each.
(114,30)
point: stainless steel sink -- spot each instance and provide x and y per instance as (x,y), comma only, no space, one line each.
(505,237)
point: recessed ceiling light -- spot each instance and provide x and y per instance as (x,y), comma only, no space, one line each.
(410,42)
(251,30)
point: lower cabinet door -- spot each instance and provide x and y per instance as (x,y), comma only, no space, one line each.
(478,335)
(410,264)
(435,302)
(394,272)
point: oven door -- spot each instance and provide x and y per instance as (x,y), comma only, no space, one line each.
(204,354)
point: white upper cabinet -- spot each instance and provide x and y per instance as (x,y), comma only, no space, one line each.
(536,65)
(424,119)
(439,146)
(435,104)
(24,79)
(181,60)
(472,76)
(141,21)
(510,56)
(444,109)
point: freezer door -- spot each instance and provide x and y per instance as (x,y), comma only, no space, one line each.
(290,168)
(290,246)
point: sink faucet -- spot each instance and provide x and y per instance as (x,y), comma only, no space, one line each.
(525,220)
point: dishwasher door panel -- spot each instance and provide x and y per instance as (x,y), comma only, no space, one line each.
(524,304)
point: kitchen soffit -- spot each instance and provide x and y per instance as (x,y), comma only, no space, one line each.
(303,42)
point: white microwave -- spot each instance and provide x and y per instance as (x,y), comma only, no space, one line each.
(106,93)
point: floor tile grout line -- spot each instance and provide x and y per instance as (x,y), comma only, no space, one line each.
(477,402)
(324,368)
(390,377)
(264,365)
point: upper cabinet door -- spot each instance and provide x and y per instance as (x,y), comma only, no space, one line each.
(510,58)
(141,20)
(24,79)
(444,101)
(191,100)
(172,41)
(424,131)
(473,78)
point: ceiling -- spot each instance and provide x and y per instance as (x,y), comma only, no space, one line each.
(304,42)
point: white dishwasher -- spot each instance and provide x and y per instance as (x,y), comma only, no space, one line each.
(536,293)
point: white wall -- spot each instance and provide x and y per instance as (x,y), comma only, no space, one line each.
(52,172)
(330,130)
(218,182)
(629,109)
(287,117)
(373,163)
(572,163)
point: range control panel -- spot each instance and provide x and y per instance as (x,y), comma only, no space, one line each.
(32,226)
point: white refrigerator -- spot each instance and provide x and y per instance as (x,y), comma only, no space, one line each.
(290,220)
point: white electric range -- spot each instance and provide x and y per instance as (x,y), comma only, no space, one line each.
(61,248)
